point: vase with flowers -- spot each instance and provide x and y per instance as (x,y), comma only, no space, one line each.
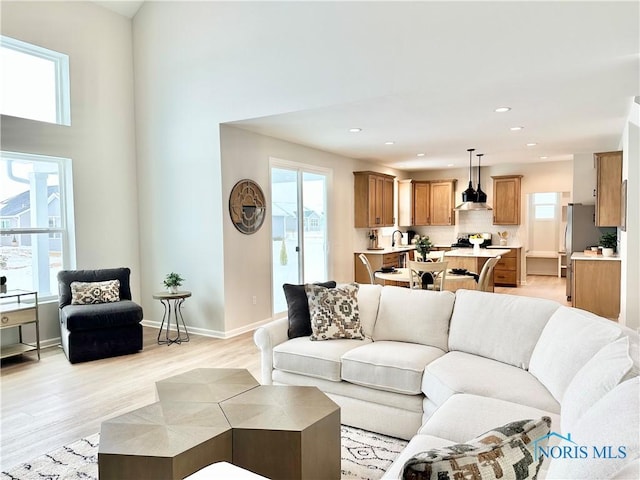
(423,245)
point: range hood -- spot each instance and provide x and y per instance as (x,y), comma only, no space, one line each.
(473,199)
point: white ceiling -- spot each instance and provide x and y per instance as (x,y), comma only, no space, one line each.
(430,74)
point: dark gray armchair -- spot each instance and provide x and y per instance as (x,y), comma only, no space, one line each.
(101,330)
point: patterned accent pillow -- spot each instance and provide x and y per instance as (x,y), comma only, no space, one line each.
(334,312)
(506,452)
(87,293)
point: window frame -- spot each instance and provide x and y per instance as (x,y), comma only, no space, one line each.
(66,232)
(61,69)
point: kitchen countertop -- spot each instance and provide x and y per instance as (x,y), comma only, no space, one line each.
(401,248)
(582,256)
(484,252)
(504,246)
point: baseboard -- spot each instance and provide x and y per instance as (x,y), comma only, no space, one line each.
(205,332)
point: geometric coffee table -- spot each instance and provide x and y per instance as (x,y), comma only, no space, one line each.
(210,415)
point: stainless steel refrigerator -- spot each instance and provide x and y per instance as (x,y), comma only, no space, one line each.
(581,233)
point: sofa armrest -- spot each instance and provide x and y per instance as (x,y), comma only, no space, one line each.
(266,337)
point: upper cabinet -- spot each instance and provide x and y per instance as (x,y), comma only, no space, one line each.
(426,202)
(608,188)
(442,198)
(506,199)
(373,199)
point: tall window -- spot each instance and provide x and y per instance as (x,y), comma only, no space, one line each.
(35,215)
(34,82)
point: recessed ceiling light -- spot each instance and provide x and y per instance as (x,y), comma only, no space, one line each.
(389,143)
(502,109)
(420,155)
(543,158)
(532,144)
(355,130)
(516,129)
(450,165)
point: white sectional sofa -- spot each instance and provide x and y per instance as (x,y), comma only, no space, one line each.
(438,368)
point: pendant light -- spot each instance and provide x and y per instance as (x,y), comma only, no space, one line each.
(469,195)
(481,197)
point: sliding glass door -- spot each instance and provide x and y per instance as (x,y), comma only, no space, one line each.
(298,227)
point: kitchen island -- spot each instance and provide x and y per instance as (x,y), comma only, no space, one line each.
(472,261)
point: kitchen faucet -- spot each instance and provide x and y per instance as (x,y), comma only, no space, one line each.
(393,237)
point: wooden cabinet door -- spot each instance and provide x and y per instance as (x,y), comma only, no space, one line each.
(386,213)
(421,198)
(596,287)
(506,200)
(609,189)
(442,203)
(373,199)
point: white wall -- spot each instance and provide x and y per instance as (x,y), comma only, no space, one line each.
(584,178)
(100,140)
(247,267)
(630,239)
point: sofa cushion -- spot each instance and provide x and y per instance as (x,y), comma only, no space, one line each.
(298,309)
(368,302)
(334,312)
(459,372)
(89,293)
(314,359)
(100,315)
(504,452)
(568,341)
(613,422)
(414,316)
(601,374)
(390,366)
(464,416)
(498,326)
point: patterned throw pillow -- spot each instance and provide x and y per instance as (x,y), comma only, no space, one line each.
(334,312)
(87,293)
(506,452)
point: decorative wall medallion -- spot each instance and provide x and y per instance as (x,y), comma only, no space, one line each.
(247,206)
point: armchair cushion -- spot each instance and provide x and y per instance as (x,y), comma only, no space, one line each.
(100,315)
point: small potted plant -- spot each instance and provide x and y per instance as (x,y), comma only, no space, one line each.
(172,281)
(608,242)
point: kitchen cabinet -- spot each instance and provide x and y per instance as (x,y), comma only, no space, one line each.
(426,202)
(441,204)
(506,273)
(506,199)
(373,199)
(19,308)
(377,261)
(608,188)
(596,286)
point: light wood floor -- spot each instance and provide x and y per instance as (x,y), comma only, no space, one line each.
(51,403)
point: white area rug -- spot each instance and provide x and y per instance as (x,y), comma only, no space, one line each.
(365,456)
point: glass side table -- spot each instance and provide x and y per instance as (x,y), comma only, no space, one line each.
(17,309)
(172,303)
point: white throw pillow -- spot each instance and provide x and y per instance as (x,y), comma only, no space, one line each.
(600,375)
(568,341)
(612,424)
(414,316)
